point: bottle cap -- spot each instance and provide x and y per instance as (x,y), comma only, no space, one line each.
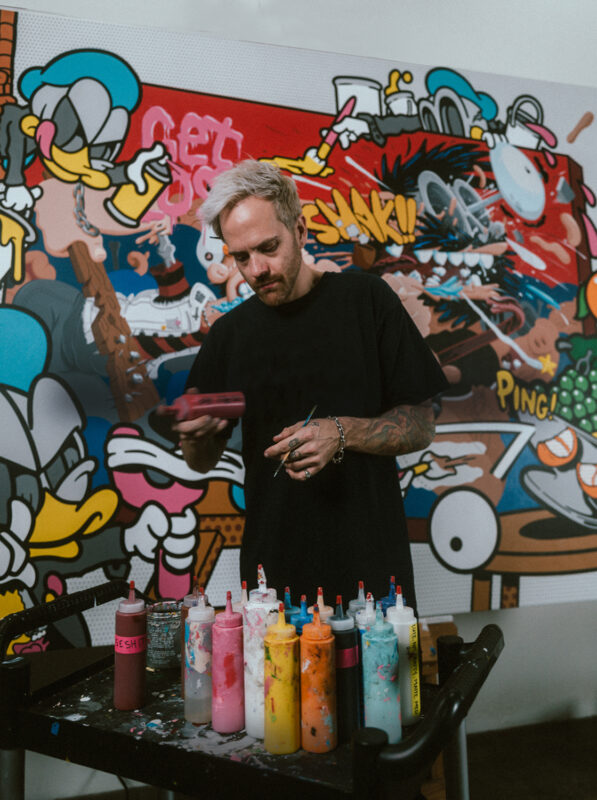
(300,619)
(324,611)
(358,602)
(289,609)
(229,618)
(397,614)
(262,593)
(240,604)
(201,612)
(192,598)
(340,621)
(132,604)
(366,616)
(281,629)
(316,629)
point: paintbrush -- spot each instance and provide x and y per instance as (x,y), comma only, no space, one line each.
(283,460)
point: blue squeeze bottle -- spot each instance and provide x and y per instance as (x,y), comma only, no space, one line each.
(300,619)
(390,598)
(381,690)
(289,609)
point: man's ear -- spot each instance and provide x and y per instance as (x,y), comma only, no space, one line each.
(301,229)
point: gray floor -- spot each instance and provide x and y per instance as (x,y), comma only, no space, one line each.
(551,761)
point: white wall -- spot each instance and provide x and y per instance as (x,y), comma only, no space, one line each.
(547,669)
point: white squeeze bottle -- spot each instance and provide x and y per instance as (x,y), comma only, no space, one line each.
(365,618)
(260,611)
(198,655)
(403,620)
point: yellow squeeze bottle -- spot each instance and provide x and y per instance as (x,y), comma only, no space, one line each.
(282,688)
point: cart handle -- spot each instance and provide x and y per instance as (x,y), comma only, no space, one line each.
(23,621)
(454,699)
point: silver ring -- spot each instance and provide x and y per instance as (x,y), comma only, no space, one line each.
(307,474)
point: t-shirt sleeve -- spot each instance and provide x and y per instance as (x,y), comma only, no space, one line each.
(411,373)
(207,373)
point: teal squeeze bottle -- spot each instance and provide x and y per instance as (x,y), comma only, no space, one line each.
(289,609)
(300,619)
(381,691)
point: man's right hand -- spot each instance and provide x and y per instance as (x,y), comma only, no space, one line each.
(202,440)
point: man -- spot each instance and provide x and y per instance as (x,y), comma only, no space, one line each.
(341,341)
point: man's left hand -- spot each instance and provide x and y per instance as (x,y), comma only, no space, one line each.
(310,447)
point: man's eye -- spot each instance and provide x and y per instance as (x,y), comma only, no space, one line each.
(242,258)
(270,248)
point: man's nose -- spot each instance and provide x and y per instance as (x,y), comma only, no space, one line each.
(258,265)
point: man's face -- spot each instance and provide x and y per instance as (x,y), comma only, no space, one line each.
(267,254)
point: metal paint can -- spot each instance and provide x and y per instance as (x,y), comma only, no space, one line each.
(163,635)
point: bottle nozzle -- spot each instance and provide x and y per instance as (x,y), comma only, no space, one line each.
(132,596)
(361,593)
(261,580)
(229,602)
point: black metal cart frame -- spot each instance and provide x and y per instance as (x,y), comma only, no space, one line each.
(370,769)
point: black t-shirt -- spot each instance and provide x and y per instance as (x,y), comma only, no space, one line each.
(351,348)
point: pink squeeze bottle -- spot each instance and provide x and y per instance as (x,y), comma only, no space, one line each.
(228,682)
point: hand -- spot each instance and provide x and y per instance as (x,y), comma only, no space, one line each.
(134,169)
(14,558)
(21,198)
(349,130)
(175,534)
(310,447)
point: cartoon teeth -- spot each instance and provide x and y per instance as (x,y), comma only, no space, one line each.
(456,258)
(587,478)
(560,450)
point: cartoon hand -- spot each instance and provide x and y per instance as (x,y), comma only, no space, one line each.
(21,198)
(492,139)
(349,130)
(180,546)
(13,555)
(175,534)
(134,169)
(148,531)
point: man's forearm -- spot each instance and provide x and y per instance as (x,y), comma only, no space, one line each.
(404,429)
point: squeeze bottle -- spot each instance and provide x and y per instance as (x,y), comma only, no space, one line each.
(259,612)
(404,623)
(228,690)
(130,648)
(240,604)
(365,618)
(390,598)
(301,619)
(357,603)
(348,679)
(381,691)
(282,687)
(289,609)
(187,601)
(198,662)
(324,611)
(319,729)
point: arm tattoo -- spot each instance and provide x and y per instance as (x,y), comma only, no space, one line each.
(403,429)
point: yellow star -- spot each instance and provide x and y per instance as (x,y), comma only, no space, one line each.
(547,365)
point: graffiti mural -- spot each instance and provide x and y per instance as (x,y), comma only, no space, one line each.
(475,211)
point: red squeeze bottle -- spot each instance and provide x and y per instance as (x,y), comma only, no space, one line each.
(227,405)
(130,646)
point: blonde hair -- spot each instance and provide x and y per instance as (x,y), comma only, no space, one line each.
(251,179)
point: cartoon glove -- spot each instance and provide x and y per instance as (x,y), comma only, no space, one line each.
(175,534)
(14,563)
(21,198)
(134,169)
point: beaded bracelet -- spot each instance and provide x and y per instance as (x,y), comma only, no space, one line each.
(339,455)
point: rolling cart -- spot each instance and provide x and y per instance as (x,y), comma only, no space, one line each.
(59,703)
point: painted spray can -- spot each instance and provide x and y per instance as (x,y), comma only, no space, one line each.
(240,604)
(289,609)
(348,678)
(403,620)
(259,612)
(324,611)
(357,603)
(198,662)
(319,729)
(303,617)
(163,635)
(130,649)
(381,690)
(228,689)
(282,687)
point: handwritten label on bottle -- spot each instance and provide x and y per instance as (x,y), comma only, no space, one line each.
(347,657)
(130,644)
